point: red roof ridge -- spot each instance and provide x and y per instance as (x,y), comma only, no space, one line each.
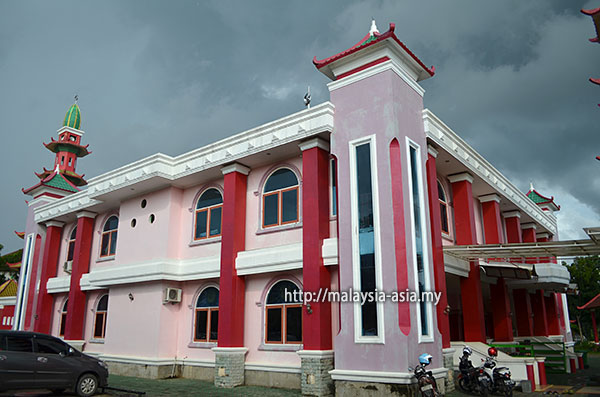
(595,81)
(378,38)
(590,12)
(592,303)
(48,179)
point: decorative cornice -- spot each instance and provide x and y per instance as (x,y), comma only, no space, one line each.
(86,214)
(448,140)
(432,151)
(489,197)
(529,225)
(312,143)
(542,235)
(235,167)
(511,214)
(55,223)
(463,176)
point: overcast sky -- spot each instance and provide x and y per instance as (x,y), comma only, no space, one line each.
(512,79)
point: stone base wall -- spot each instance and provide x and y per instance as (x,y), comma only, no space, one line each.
(448,355)
(282,380)
(316,380)
(345,388)
(147,371)
(229,368)
(196,372)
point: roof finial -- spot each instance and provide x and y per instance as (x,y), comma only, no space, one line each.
(373,29)
(76,98)
(531,189)
(307,98)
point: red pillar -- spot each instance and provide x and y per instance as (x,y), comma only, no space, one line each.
(522,304)
(470,287)
(542,373)
(540,321)
(512,221)
(531,376)
(49,266)
(438,253)
(492,226)
(233,240)
(75,324)
(542,238)
(552,315)
(528,230)
(316,326)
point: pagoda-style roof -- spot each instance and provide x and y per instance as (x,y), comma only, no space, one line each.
(595,14)
(14,266)
(66,146)
(542,200)
(72,176)
(21,235)
(592,303)
(8,289)
(55,180)
(595,81)
(372,38)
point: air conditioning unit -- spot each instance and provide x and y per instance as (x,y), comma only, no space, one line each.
(68,266)
(172,295)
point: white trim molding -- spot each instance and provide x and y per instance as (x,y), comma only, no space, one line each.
(235,167)
(86,214)
(312,143)
(449,141)
(55,223)
(511,214)
(404,378)
(315,353)
(272,259)
(330,251)
(432,151)
(529,225)
(463,176)
(542,235)
(489,197)
(230,350)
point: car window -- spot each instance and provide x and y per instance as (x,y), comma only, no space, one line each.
(49,346)
(18,343)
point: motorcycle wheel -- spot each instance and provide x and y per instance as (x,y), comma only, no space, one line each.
(508,393)
(483,391)
(462,383)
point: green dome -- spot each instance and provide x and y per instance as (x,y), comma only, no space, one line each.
(73,117)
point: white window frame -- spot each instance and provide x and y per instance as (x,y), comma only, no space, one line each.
(426,265)
(352,145)
(24,277)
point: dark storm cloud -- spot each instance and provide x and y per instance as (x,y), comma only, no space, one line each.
(172,76)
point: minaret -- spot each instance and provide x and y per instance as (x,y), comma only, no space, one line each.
(62,179)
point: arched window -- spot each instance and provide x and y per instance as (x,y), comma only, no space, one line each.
(280,198)
(209,211)
(63,319)
(100,321)
(443,208)
(71,249)
(109,237)
(283,314)
(207,316)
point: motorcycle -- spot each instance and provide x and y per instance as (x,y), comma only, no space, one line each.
(471,379)
(498,377)
(425,379)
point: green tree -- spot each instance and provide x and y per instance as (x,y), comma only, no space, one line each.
(5,271)
(585,272)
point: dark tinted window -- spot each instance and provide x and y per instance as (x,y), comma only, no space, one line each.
(50,346)
(18,343)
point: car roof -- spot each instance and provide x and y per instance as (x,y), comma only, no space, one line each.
(25,333)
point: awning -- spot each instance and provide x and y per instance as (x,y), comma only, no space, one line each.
(521,271)
(594,302)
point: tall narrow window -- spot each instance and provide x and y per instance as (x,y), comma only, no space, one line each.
(280,198)
(283,314)
(209,211)
(443,208)
(333,187)
(63,319)
(100,321)
(207,316)
(71,249)
(366,236)
(109,237)
(419,242)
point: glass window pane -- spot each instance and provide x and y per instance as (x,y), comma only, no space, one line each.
(201,324)
(49,346)
(293,323)
(111,224)
(18,344)
(283,292)
(63,323)
(366,236)
(274,324)
(214,324)
(208,298)
(280,179)
(73,233)
(209,198)
(271,210)
(105,240)
(444,216)
(71,251)
(289,204)
(441,194)
(333,188)
(103,303)
(201,217)
(113,242)
(215,221)
(99,326)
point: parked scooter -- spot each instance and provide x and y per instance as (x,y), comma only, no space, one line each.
(471,379)
(499,377)
(425,378)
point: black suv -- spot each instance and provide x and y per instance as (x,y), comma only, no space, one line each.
(30,360)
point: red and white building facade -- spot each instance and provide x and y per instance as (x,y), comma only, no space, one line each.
(180,264)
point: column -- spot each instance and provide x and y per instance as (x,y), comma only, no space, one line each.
(44,310)
(470,287)
(523,314)
(75,324)
(230,353)
(552,314)
(594,327)
(540,321)
(437,248)
(492,227)
(542,238)
(317,356)
(528,230)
